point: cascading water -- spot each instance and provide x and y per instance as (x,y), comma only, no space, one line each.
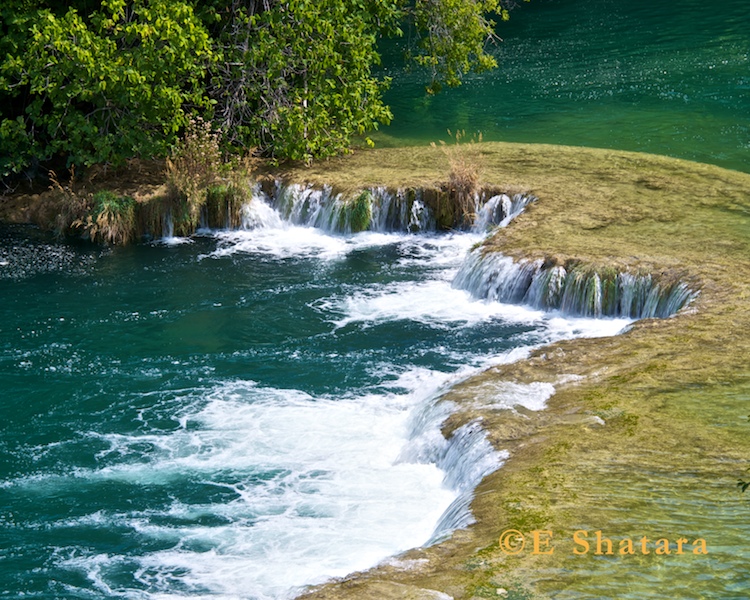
(499,211)
(385,210)
(167,231)
(275,426)
(579,290)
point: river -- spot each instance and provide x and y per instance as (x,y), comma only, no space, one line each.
(244,413)
(639,75)
(240,413)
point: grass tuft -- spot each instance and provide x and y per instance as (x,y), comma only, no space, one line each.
(72,205)
(464,175)
(360,212)
(110,220)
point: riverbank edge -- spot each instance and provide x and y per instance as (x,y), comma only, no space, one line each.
(603,208)
(618,406)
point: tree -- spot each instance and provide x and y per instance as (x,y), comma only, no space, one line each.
(100,88)
(297,76)
(296,79)
(452,36)
(101,81)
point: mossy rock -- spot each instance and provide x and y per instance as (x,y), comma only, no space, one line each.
(360,212)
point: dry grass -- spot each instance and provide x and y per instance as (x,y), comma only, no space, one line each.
(102,217)
(201,181)
(111,220)
(194,166)
(72,204)
(464,173)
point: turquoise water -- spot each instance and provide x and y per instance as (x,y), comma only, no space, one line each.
(238,414)
(639,75)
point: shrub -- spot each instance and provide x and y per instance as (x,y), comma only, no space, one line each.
(111,219)
(224,205)
(194,166)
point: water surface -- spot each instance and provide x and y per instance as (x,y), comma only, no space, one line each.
(238,414)
(639,75)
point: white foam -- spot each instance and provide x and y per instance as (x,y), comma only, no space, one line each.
(290,242)
(433,302)
(438,252)
(172,240)
(565,327)
(335,501)
(265,232)
(436,303)
(506,394)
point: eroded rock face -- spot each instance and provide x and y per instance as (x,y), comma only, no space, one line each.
(37,209)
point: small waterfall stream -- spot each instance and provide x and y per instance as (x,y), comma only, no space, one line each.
(379,209)
(577,290)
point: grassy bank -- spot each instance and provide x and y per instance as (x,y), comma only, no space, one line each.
(647,432)
(652,439)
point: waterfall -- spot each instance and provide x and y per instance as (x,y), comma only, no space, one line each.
(380,209)
(258,214)
(499,210)
(466,457)
(167,226)
(420,218)
(576,290)
(374,209)
(400,210)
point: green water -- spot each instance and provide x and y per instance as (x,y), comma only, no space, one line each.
(235,415)
(642,75)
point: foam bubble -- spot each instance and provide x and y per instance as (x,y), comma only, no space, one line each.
(432,302)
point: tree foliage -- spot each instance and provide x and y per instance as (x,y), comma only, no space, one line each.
(298,81)
(452,37)
(116,83)
(101,81)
